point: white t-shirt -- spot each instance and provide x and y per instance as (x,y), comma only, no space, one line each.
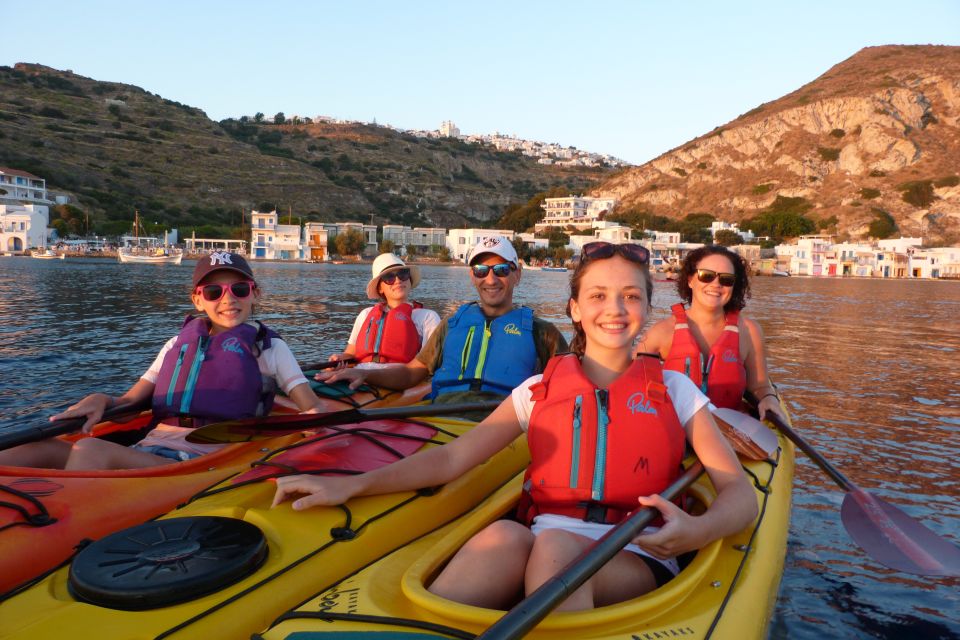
(278,368)
(687,400)
(425,320)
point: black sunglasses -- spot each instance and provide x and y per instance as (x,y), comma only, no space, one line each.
(390,278)
(239,290)
(707,276)
(604,250)
(501,270)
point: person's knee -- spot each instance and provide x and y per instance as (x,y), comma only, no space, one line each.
(557,543)
(502,535)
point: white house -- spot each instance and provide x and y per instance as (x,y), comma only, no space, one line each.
(24,210)
(315,242)
(810,255)
(423,238)
(461,241)
(581,212)
(369,232)
(273,241)
(720,225)
(935,262)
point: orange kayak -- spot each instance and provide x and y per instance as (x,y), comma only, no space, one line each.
(46,513)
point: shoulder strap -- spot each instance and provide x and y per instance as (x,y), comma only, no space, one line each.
(538,391)
(679,312)
(455,318)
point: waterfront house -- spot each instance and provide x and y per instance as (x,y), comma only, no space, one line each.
(315,239)
(369,232)
(423,239)
(273,241)
(809,257)
(935,262)
(24,211)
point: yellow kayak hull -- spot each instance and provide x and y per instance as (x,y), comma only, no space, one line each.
(303,556)
(727,591)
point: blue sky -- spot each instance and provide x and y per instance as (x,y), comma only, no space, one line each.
(633,79)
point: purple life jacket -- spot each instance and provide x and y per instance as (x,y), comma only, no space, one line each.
(213,378)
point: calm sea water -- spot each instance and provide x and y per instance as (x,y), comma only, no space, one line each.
(870,369)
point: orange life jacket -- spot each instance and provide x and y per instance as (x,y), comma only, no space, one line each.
(720,374)
(389,335)
(594,451)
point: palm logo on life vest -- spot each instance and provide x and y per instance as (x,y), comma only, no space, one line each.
(512,329)
(219,257)
(638,403)
(401,317)
(232,344)
(729,356)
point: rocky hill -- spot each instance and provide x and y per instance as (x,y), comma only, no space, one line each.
(879,132)
(117,147)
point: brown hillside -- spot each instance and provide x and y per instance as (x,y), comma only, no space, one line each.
(875,129)
(118,147)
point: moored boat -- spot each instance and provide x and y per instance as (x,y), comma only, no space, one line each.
(727,590)
(47,254)
(46,513)
(133,255)
(553,268)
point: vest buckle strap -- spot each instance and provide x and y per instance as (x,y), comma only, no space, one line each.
(595,513)
(186,422)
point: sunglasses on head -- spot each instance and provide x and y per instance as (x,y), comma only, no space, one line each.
(390,278)
(604,250)
(501,270)
(239,290)
(707,276)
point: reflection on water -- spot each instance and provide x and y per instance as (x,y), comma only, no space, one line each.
(869,368)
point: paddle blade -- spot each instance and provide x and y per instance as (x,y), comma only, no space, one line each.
(748,436)
(895,539)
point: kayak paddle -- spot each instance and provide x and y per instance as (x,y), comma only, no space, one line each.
(66,425)
(885,532)
(249,429)
(523,617)
(329,364)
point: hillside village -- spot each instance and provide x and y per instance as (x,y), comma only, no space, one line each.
(24,220)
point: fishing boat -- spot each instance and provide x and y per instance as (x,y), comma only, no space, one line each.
(47,254)
(553,269)
(150,254)
(46,513)
(727,590)
(780,273)
(286,555)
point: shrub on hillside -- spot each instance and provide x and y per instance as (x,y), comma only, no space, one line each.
(919,193)
(838,133)
(869,194)
(680,172)
(51,112)
(828,154)
(947,181)
(883,225)
(760,189)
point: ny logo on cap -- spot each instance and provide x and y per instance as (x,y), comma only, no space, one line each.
(491,242)
(220,257)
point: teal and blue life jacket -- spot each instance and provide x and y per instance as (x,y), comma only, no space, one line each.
(486,354)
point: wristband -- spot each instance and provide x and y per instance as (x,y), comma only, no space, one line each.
(767,395)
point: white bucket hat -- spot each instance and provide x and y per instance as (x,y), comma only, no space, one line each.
(385,263)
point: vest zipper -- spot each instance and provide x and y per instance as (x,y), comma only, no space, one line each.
(376,346)
(575,449)
(465,354)
(705,372)
(600,458)
(191,385)
(176,374)
(482,356)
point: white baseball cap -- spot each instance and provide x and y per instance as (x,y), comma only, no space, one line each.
(384,264)
(497,245)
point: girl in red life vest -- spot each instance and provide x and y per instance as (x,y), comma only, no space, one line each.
(711,341)
(609,395)
(395,329)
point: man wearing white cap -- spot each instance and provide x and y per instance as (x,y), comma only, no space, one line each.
(485,348)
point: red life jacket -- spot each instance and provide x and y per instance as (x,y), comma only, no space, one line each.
(389,335)
(594,451)
(720,374)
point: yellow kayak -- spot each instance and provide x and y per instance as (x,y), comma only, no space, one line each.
(285,555)
(727,590)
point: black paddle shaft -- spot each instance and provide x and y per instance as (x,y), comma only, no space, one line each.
(66,425)
(522,618)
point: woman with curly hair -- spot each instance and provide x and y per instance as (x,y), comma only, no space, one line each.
(710,340)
